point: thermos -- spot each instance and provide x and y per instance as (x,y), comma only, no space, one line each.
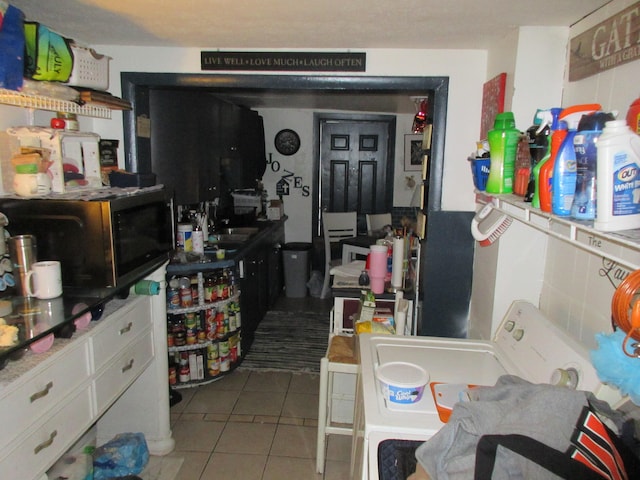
(23,252)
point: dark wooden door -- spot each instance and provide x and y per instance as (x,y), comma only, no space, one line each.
(356,167)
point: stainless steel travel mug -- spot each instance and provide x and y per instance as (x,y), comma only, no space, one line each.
(23,252)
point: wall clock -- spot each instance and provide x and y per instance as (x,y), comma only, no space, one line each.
(287,142)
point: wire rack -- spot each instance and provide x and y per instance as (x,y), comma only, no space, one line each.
(36,102)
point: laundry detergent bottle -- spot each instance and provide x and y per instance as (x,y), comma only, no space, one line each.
(557,132)
(563,182)
(503,147)
(584,144)
(618,180)
(538,138)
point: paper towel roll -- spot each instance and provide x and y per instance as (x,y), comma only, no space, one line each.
(397,264)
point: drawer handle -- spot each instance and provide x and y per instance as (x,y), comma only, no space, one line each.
(128,366)
(42,393)
(46,443)
(126,329)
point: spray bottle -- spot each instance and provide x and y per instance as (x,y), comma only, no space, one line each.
(538,137)
(503,145)
(584,144)
(618,190)
(544,170)
(563,182)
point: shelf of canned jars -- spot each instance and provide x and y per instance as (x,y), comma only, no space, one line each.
(203,326)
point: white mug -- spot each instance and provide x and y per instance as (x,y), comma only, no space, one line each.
(47,280)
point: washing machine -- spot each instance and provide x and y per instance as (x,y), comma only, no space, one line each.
(526,344)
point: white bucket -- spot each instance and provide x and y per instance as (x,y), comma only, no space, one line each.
(402,382)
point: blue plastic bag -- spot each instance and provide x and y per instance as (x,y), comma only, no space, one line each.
(11,47)
(126,454)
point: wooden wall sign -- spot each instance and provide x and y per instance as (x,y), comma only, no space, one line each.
(611,43)
(284,61)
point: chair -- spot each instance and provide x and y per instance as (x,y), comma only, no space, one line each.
(340,358)
(377,221)
(335,227)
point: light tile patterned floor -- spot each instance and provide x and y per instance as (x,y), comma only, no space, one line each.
(254,426)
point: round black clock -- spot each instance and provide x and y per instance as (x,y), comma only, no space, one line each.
(287,142)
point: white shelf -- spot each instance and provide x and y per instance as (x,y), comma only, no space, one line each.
(620,247)
(18,99)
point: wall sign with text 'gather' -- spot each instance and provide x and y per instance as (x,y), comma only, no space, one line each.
(609,44)
(284,61)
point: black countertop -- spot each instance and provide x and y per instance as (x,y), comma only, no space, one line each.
(37,319)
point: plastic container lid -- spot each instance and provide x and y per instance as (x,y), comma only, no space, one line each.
(402,374)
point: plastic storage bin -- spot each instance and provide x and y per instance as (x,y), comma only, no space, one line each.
(297,259)
(480,171)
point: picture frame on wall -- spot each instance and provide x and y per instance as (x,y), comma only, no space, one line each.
(413,151)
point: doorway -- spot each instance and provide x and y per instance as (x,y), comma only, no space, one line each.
(355,164)
(136,87)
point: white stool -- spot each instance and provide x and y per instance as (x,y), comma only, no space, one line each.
(340,358)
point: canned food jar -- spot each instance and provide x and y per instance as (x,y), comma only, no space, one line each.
(225,363)
(186,300)
(185,374)
(173,376)
(214,366)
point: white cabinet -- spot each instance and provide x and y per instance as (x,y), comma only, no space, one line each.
(103,374)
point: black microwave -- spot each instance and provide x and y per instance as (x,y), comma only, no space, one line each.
(109,242)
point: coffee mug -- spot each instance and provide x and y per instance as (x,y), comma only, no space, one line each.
(46,278)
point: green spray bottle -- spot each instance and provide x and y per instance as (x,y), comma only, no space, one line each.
(503,147)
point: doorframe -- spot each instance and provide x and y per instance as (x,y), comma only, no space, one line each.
(318,119)
(135,87)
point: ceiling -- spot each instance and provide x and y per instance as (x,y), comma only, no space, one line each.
(303,24)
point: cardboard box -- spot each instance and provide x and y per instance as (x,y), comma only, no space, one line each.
(275,210)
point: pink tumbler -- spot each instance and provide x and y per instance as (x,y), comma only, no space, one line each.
(377,267)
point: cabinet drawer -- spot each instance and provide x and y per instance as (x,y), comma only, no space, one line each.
(33,399)
(42,446)
(122,328)
(124,369)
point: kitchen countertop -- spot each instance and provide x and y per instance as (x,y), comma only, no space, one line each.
(36,319)
(182,262)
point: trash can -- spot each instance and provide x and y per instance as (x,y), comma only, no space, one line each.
(297,259)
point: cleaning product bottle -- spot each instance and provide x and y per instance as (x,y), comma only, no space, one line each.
(503,145)
(522,167)
(563,182)
(618,181)
(584,144)
(633,116)
(558,130)
(538,138)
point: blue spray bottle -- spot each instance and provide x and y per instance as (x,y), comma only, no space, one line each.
(563,186)
(584,144)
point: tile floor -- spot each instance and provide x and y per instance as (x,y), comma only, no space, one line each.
(256,425)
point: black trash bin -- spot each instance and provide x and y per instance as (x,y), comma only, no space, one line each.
(296,257)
